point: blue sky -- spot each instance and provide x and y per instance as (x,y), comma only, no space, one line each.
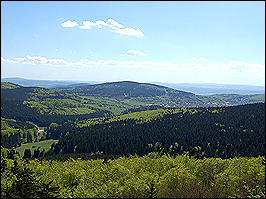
(143,41)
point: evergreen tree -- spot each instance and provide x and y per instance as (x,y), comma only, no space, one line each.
(25,185)
(27,153)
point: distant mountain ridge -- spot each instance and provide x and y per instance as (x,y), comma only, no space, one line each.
(196,88)
(129,93)
(44,83)
(212,88)
(126,89)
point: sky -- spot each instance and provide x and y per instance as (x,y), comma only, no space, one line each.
(143,41)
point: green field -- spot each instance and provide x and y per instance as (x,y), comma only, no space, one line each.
(42,144)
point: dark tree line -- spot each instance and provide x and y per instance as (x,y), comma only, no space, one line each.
(219,132)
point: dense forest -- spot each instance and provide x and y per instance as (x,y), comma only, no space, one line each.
(132,176)
(211,132)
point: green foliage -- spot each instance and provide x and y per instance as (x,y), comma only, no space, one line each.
(256,192)
(43,106)
(61,107)
(134,176)
(121,97)
(14,133)
(239,99)
(8,85)
(20,182)
(157,137)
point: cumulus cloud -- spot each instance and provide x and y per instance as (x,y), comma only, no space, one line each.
(134,53)
(69,23)
(87,25)
(232,66)
(38,60)
(202,59)
(100,23)
(111,23)
(129,32)
(84,60)
(114,24)
(34,60)
(8,61)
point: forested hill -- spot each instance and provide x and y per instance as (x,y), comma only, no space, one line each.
(134,93)
(42,106)
(224,132)
(132,90)
(14,91)
(126,89)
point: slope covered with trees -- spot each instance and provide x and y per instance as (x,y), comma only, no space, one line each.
(126,89)
(14,133)
(212,132)
(119,97)
(43,106)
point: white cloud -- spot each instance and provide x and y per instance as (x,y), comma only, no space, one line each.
(195,59)
(69,23)
(35,60)
(8,61)
(119,28)
(132,64)
(100,23)
(112,23)
(87,25)
(92,54)
(41,60)
(129,32)
(191,59)
(232,66)
(202,59)
(134,53)
(84,60)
